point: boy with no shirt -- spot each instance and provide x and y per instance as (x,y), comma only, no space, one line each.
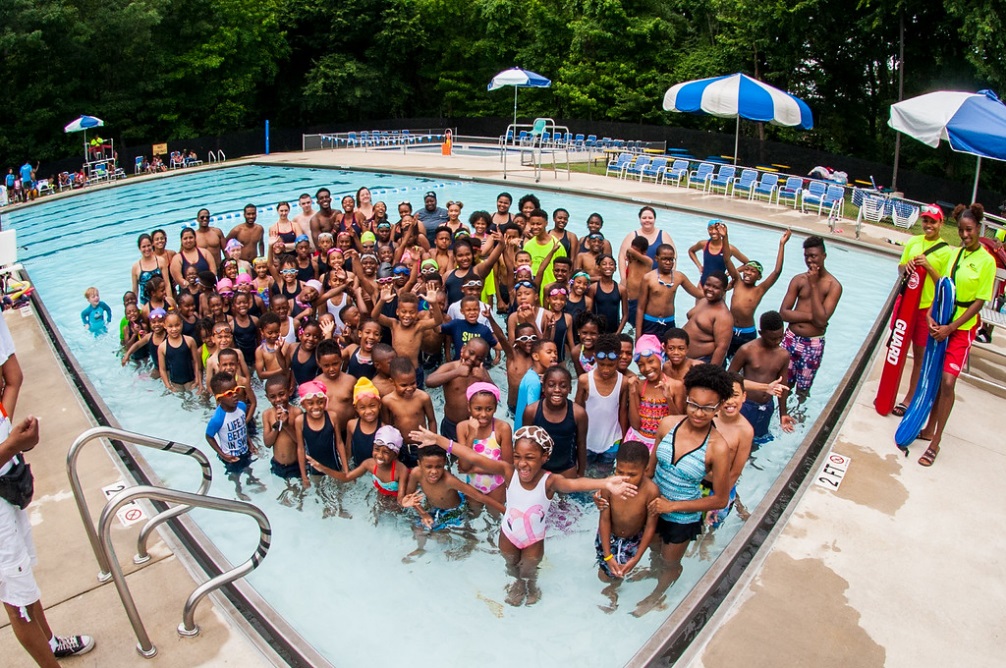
(455,377)
(748,293)
(250,234)
(210,239)
(710,324)
(302,221)
(655,314)
(763,364)
(808,305)
(324,219)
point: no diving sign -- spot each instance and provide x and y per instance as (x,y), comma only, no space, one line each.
(132,512)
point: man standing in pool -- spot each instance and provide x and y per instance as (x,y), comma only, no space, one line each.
(710,325)
(655,314)
(302,221)
(809,303)
(431,216)
(210,239)
(324,219)
(250,234)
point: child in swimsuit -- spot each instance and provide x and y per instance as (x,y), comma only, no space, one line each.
(588,326)
(658,395)
(389,476)
(529,498)
(360,431)
(487,436)
(439,498)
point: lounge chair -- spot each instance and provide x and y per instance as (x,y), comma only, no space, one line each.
(767,187)
(591,141)
(745,183)
(579,142)
(700,176)
(904,214)
(636,168)
(654,170)
(678,172)
(723,178)
(813,195)
(790,191)
(871,208)
(618,165)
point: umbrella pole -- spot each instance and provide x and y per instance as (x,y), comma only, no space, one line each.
(737,138)
(978,171)
(515,111)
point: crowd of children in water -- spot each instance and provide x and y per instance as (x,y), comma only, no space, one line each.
(346,319)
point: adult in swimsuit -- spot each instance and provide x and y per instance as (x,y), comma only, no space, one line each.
(688,449)
(148,266)
(190,255)
(283,229)
(647,229)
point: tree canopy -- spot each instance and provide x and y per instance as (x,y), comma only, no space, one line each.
(173,69)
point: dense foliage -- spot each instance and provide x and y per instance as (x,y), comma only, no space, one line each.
(160,69)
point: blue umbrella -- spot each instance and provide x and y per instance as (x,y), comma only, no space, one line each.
(83,123)
(739,96)
(518,78)
(973,123)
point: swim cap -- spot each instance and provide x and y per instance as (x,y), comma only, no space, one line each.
(475,388)
(368,255)
(384,223)
(756,265)
(429,264)
(314,283)
(579,274)
(389,437)
(158,313)
(384,271)
(324,235)
(260,260)
(225,285)
(713,222)
(538,435)
(312,389)
(368,238)
(233,244)
(364,388)
(301,237)
(336,249)
(648,344)
(243,278)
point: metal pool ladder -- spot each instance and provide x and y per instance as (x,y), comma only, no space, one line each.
(101,539)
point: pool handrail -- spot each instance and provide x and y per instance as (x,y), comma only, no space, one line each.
(188,627)
(135,439)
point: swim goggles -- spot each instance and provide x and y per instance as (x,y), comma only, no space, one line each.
(756,265)
(227,293)
(525,284)
(557,291)
(538,435)
(288,272)
(526,338)
(233,392)
(401,271)
(606,356)
(314,395)
(474,283)
(579,274)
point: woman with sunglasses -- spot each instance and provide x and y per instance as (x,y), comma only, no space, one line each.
(689,449)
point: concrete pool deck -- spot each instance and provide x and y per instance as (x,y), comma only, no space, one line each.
(848,580)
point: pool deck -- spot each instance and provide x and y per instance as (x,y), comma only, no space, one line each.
(849,579)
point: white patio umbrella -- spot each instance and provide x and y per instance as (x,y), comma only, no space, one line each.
(518,78)
(81,125)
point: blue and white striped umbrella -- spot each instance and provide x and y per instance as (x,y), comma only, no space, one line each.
(518,78)
(84,123)
(972,123)
(739,96)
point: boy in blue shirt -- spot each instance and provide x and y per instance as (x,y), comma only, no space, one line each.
(96,315)
(464,329)
(227,432)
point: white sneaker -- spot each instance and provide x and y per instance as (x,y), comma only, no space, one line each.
(73,646)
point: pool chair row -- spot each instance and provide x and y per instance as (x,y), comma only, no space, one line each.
(574,142)
(383,138)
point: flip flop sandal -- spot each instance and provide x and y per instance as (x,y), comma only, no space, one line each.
(899,410)
(929,456)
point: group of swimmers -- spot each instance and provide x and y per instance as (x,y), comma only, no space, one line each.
(346,319)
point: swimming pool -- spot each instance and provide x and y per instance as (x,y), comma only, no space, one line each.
(320,561)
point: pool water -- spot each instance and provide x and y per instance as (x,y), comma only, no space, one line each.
(339,580)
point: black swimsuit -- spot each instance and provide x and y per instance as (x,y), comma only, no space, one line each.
(246,339)
(303,371)
(320,444)
(609,305)
(362,444)
(178,361)
(563,437)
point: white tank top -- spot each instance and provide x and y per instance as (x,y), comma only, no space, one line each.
(334,309)
(526,510)
(603,428)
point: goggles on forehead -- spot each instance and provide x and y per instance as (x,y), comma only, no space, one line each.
(525,284)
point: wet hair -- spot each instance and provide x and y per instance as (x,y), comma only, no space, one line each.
(480,215)
(710,377)
(676,333)
(975,212)
(281,380)
(720,276)
(430,451)
(608,343)
(586,317)
(228,352)
(538,213)
(219,380)
(207,279)
(507,195)
(736,379)
(401,366)
(139,239)
(648,208)
(531,198)
(632,452)
(771,321)
(640,243)
(327,347)
(814,241)
(557,369)
(269,318)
